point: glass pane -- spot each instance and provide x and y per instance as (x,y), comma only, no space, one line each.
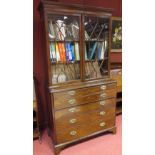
(96,47)
(64,48)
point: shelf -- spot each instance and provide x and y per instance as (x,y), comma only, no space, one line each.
(60,62)
(52,40)
(96,60)
(99,40)
(77,61)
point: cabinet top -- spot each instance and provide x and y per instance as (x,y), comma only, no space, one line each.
(58,5)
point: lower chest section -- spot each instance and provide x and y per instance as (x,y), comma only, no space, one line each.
(90,113)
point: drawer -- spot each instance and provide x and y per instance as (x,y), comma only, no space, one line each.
(62,102)
(83,114)
(76,132)
(84,91)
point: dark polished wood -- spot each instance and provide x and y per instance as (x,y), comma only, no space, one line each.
(81,114)
(78,100)
(76,132)
(78,109)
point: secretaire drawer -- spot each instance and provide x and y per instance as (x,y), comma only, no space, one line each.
(84,91)
(63,102)
(76,132)
(85,113)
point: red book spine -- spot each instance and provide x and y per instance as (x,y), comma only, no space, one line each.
(60,51)
(64,52)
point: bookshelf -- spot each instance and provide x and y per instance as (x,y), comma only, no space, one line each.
(77,52)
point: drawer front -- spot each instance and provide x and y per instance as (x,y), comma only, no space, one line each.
(83,114)
(63,102)
(84,91)
(77,132)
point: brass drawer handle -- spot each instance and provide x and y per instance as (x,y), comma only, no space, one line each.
(71,110)
(71,92)
(102,124)
(103,95)
(72,121)
(102,113)
(72,101)
(103,87)
(73,133)
(102,102)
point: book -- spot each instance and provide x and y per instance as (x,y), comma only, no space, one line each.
(57,52)
(63,52)
(60,29)
(72,50)
(60,51)
(52,52)
(102,51)
(67,52)
(75,30)
(77,55)
(51,30)
(86,35)
(92,51)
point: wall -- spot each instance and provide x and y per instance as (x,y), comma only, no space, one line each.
(38,64)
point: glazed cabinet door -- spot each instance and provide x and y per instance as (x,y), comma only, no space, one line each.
(64,47)
(96,44)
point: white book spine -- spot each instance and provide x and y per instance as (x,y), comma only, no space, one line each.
(77,51)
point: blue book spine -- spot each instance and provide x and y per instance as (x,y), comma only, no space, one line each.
(93,50)
(72,49)
(67,52)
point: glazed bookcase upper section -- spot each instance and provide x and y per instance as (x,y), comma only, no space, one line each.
(77,42)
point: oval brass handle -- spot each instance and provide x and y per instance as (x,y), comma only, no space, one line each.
(102,102)
(71,110)
(103,95)
(73,133)
(102,113)
(103,87)
(71,92)
(72,121)
(102,124)
(72,101)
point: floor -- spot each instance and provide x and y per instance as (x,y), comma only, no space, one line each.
(107,144)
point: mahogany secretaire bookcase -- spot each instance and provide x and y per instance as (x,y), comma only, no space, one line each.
(81,95)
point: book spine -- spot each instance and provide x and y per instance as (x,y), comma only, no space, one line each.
(72,50)
(63,52)
(103,50)
(52,52)
(57,52)
(86,58)
(93,50)
(67,52)
(77,55)
(100,45)
(51,30)
(60,51)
